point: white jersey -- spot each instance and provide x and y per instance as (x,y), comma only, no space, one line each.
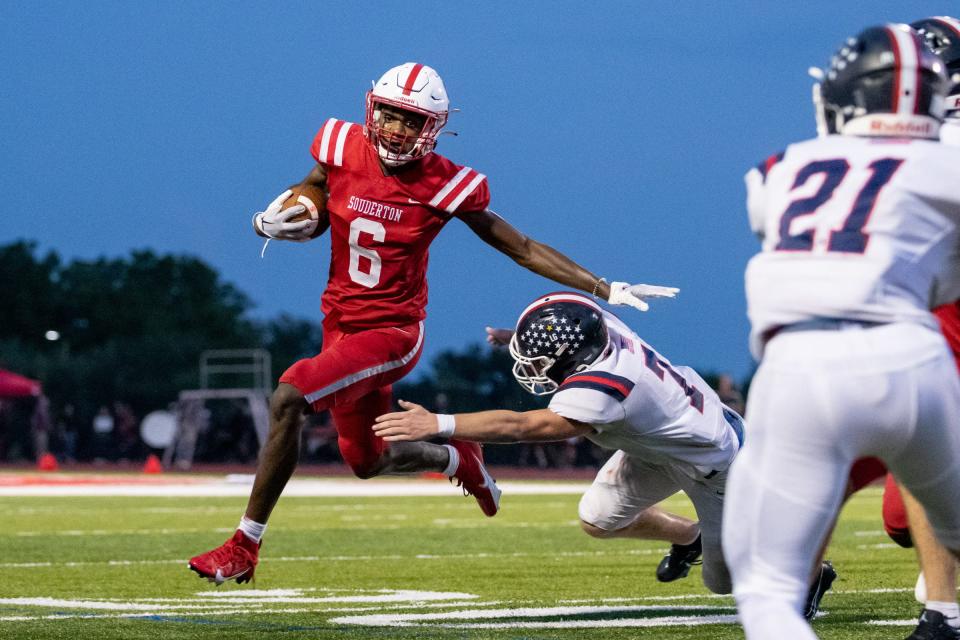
(950,132)
(639,403)
(853,228)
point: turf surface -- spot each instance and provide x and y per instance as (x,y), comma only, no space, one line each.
(393,568)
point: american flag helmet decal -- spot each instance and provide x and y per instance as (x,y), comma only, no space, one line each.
(557,335)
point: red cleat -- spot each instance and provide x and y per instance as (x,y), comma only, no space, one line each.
(474,478)
(235,559)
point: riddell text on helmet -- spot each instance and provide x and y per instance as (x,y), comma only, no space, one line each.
(911,128)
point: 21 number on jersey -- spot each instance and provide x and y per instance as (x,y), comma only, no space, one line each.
(850,238)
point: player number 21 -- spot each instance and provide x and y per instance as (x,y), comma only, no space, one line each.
(371,277)
(850,238)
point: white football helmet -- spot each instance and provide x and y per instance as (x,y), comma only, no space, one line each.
(412,87)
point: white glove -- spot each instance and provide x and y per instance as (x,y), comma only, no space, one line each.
(273,222)
(636,294)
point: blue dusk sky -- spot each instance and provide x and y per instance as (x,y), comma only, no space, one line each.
(617,132)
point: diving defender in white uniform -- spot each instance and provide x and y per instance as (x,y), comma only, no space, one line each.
(669,429)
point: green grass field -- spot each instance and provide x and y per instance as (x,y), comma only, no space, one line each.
(393,568)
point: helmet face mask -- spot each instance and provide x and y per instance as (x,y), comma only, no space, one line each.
(556,336)
(410,90)
(883,82)
(531,372)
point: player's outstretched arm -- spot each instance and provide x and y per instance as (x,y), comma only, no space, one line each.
(416,423)
(546,261)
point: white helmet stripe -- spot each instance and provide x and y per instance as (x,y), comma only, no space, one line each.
(560,297)
(907,55)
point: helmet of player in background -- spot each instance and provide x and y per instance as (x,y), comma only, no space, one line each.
(411,87)
(558,335)
(941,34)
(883,82)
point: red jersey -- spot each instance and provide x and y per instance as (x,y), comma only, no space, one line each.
(948,316)
(381,226)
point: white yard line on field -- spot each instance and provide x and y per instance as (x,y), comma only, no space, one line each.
(354,558)
(392,608)
(880,545)
(303,488)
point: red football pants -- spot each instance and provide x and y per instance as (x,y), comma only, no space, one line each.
(352,377)
(864,471)
(895,514)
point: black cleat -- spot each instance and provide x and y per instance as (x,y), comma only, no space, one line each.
(819,587)
(933,626)
(677,563)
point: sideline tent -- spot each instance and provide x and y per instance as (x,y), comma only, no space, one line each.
(13,385)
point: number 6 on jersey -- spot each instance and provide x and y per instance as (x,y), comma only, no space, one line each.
(374,229)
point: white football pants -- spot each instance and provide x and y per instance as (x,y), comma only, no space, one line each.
(626,486)
(821,398)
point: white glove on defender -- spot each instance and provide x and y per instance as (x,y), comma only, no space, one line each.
(274,224)
(636,294)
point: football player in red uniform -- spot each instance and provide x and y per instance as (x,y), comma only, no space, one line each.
(389,195)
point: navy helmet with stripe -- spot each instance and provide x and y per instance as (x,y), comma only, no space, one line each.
(941,34)
(557,335)
(883,82)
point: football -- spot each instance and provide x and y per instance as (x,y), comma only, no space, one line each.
(315,200)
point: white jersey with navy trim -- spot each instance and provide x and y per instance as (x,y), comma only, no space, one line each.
(853,228)
(950,132)
(637,402)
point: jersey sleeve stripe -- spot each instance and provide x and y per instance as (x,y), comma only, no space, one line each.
(613,392)
(341,143)
(619,384)
(450,186)
(765,166)
(323,155)
(470,188)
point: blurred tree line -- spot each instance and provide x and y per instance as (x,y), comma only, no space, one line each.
(132,330)
(129,329)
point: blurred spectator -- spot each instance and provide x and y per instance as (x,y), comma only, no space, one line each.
(68,433)
(40,426)
(320,439)
(127,439)
(4,430)
(103,437)
(567,452)
(534,452)
(729,394)
(16,429)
